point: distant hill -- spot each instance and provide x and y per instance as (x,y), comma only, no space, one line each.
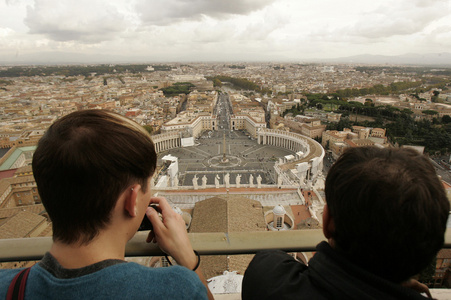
(432,59)
(56,57)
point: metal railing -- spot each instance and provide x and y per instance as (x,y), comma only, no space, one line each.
(217,243)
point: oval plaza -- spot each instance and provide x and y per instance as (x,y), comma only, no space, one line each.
(220,157)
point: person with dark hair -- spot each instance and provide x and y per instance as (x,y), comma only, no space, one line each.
(93,170)
(385,220)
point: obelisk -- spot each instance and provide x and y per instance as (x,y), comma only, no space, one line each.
(224,158)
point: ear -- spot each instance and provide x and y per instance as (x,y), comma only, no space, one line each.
(328,223)
(130,203)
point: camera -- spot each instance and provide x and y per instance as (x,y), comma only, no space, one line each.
(146,224)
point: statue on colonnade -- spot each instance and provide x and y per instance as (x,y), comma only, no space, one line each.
(238,180)
(259,181)
(195,182)
(217,181)
(227,180)
(204,182)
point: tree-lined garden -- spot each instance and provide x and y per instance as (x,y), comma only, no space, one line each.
(433,132)
(178,88)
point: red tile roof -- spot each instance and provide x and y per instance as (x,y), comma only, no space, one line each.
(7,173)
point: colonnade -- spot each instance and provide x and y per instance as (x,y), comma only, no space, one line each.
(288,140)
(309,156)
(166,141)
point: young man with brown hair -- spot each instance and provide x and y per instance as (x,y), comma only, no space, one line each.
(93,170)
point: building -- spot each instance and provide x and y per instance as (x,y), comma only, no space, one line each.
(18,189)
(333,136)
(277,219)
(193,124)
(313,128)
(248,123)
(227,213)
(23,222)
(359,143)
(26,138)
(17,157)
(338,141)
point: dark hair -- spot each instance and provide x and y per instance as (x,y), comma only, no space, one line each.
(83,163)
(389,209)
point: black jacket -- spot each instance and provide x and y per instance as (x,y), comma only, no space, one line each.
(276,275)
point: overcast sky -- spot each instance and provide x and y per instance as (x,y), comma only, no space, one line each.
(222,30)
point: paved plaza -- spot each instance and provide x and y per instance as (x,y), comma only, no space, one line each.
(243,157)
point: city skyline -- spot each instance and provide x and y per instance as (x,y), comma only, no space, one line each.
(178,30)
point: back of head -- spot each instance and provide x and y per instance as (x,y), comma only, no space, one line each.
(389,210)
(83,163)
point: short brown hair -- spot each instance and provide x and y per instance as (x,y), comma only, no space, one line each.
(83,163)
(389,209)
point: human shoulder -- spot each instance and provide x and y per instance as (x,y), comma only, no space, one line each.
(174,282)
(273,274)
(270,259)
(6,276)
(8,273)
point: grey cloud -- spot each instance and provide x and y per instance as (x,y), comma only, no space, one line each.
(386,28)
(401,19)
(226,32)
(259,31)
(165,12)
(215,34)
(90,22)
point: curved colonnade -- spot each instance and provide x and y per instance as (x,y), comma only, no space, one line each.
(167,141)
(302,169)
(288,140)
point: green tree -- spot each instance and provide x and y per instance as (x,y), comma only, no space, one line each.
(446,119)
(343,123)
(148,128)
(178,88)
(369,102)
(429,112)
(407,111)
(217,82)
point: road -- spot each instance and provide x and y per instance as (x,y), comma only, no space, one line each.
(223,110)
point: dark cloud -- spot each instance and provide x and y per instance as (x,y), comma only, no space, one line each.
(83,21)
(165,12)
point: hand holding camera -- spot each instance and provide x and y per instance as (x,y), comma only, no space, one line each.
(169,231)
(146,224)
